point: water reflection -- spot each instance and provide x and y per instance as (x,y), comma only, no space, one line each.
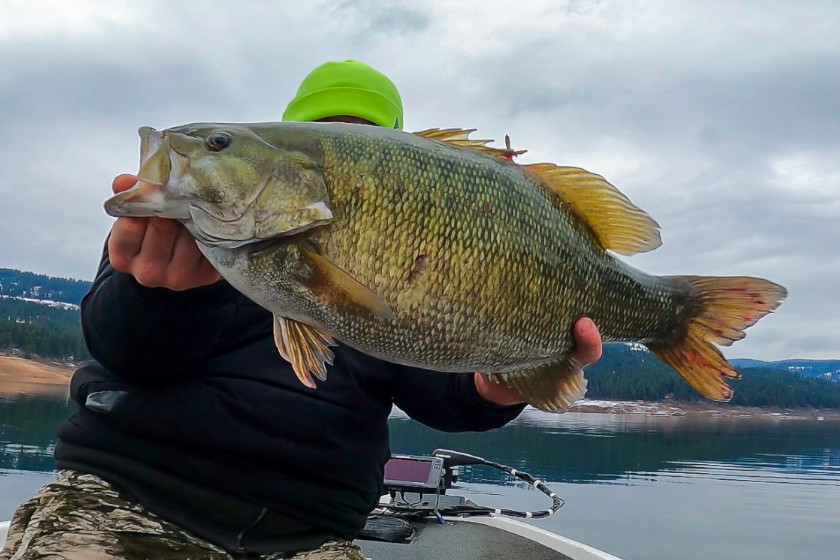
(576,447)
(659,487)
(663,487)
(28,423)
(601,448)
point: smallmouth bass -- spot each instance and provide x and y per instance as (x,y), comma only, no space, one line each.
(436,251)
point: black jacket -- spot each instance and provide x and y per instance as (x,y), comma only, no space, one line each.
(196,414)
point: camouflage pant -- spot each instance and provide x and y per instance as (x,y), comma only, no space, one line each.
(80,516)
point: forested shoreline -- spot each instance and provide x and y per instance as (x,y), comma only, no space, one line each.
(39,316)
(627,373)
(53,332)
(17,283)
(36,330)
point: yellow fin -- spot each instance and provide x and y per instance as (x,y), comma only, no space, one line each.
(618,224)
(552,388)
(336,288)
(725,307)
(305,347)
(461,137)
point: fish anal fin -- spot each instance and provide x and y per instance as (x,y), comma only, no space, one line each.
(725,306)
(305,347)
(460,137)
(617,223)
(336,288)
(551,388)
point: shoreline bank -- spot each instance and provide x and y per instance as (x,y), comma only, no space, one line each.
(21,375)
(669,408)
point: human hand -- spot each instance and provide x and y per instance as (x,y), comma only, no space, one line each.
(587,351)
(158,252)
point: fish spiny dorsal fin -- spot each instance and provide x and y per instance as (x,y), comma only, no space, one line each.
(461,137)
(618,224)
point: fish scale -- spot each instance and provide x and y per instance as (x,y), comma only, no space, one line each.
(493,307)
(436,251)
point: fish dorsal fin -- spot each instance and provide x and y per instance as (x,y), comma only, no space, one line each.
(618,224)
(461,137)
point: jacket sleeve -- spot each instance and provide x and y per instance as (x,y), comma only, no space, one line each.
(145,334)
(448,401)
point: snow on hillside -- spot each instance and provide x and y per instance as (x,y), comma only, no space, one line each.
(47,302)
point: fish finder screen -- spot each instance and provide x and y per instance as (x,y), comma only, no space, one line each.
(408,470)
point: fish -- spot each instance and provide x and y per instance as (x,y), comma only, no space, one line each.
(435,250)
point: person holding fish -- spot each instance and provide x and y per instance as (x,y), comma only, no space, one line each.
(194,437)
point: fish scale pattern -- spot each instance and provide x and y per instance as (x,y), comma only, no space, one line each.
(484,267)
(436,251)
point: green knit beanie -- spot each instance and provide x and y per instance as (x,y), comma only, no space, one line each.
(347,88)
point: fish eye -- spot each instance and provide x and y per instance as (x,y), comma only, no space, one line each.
(217,141)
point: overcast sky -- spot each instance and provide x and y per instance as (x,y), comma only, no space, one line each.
(721,119)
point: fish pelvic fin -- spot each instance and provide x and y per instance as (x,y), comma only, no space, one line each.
(460,137)
(617,223)
(725,307)
(336,288)
(305,347)
(552,388)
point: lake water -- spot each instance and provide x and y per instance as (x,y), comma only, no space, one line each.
(638,486)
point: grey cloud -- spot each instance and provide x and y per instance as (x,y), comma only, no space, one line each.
(687,108)
(370,20)
(719,114)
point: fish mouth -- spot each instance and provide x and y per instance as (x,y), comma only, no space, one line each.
(161,170)
(160,162)
(168,188)
(155,162)
(156,193)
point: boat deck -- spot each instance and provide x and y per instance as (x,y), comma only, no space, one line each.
(465,541)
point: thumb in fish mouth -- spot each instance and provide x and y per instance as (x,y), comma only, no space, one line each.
(150,195)
(147,200)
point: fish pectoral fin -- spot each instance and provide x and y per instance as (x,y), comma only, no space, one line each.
(460,137)
(553,387)
(618,224)
(305,347)
(337,289)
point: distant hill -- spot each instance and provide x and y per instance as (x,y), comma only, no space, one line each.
(32,329)
(33,323)
(39,315)
(825,369)
(19,284)
(630,372)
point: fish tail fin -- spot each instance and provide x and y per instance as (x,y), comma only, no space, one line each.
(724,308)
